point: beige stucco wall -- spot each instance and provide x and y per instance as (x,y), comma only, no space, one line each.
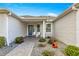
(65,28)
(77,28)
(51,34)
(3,26)
(47,33)
(15,28)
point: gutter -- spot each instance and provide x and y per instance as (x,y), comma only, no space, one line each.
(69,10)
(8,12)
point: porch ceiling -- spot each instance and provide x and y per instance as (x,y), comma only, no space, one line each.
(32,20)
(36,18)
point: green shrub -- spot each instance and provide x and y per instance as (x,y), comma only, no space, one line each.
(48,37)
(41,45)
(47,53)
(42,40)
(2,41)
(71,50)
(19,40)
(50,41)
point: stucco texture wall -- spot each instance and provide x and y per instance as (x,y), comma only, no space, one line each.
(15,28)
(65,28)
(77,27)
(3,25)
(51,33)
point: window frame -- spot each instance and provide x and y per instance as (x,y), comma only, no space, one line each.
(38,28)
(48,28)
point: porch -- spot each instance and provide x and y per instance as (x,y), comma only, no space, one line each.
(38,27)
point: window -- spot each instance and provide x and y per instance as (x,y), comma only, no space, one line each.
(38,28)
(48,27)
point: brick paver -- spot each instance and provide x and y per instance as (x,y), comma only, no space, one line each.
(23,49)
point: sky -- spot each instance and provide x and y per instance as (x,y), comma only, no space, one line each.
(36,9)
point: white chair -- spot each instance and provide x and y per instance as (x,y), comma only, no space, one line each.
(38,34)
(34,34)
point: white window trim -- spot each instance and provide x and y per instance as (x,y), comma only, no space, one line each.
(51,27)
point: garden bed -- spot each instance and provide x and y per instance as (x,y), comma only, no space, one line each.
(5,50)
(37,51)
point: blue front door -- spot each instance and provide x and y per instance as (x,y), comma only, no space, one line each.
(30,30)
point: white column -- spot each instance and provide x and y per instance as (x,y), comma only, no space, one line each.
(44,29)
(7,39)
(35,29)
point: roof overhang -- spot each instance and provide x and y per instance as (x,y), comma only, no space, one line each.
(69,10)
(9,13)
(26,18)
(3,11)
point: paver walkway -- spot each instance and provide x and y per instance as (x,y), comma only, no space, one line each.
(23,49)
(7,49)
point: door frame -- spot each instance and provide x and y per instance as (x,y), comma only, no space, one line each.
(27,29)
